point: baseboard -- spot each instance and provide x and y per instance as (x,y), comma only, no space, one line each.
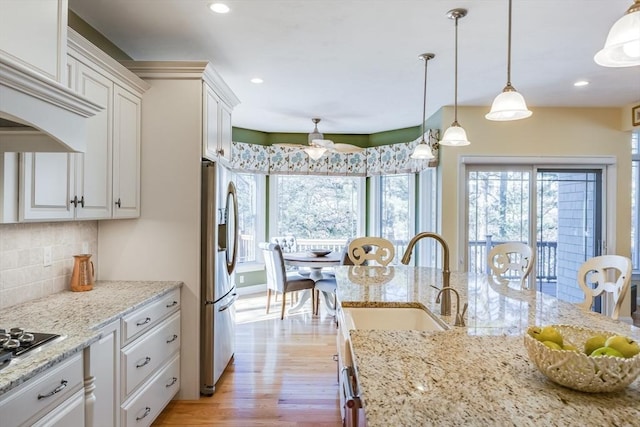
(253,289)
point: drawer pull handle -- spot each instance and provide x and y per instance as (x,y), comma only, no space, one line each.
(172,304)
(146,361)
(147,320)
(173,338)
(173,381)
(58,389)
(147,411)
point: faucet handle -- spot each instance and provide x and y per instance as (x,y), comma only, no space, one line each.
(435,287)
(464,308)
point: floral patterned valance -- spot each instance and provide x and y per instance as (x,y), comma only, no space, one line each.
(382,160)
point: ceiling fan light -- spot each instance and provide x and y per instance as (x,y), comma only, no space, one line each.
(455,136)
(315,152)
(622,48)
(509,105)
(422,151)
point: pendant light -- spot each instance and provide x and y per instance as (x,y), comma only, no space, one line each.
(622,48)
(455,134)
(509,105)
(423,149)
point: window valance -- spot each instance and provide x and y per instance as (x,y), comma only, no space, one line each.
(381,160)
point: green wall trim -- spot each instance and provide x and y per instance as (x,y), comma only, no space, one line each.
(95,37)
(396,136)
(250,136)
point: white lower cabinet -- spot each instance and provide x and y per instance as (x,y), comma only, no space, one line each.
(102,378)
(54,397)
(69,413)
(149,360)
(145,405)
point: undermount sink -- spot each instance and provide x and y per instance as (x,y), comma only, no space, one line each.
(391,318)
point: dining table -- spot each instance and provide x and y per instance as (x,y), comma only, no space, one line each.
(315,264)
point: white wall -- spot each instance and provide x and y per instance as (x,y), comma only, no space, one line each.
(164,243)
(23,277)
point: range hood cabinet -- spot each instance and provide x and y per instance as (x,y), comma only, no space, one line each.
(40,114)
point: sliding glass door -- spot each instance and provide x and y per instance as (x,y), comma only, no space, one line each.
(556,209)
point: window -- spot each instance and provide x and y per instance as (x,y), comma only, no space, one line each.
(319,211)
(392,208)
(251,209)
(635,200)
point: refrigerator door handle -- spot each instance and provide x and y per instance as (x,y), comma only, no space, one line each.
(230,303)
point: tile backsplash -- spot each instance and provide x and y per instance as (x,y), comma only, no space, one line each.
(23,274)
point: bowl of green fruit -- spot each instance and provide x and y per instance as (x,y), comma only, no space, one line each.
(584,359)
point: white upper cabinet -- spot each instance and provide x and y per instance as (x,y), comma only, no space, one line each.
(104,181)
(218,103)
(94,166)
(47,183)
(126,154)
(33,33)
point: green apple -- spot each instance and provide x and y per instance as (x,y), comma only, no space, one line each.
(624,345)
(570,347)
(606,351)
(593,343)
(547,333)
(552,345)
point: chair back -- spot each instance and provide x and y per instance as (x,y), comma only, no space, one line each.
(605,273)
(516,257)
(288,243)
(274,266)
(376,249)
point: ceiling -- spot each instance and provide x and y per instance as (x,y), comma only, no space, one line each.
(354,63)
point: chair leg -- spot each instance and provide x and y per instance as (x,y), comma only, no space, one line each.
(284,303)
(268,299)
(316,308)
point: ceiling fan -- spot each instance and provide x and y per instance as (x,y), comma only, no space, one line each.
(317,145)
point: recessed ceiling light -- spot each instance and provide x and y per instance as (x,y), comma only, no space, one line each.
(219,7)
(257,80)
(581,83)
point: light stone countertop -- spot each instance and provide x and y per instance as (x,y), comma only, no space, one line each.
(76,315)
(474,375)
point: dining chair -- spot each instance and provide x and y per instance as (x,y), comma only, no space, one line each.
(507,259)
(605,273)
(281,281)
(328,283)
(365,249)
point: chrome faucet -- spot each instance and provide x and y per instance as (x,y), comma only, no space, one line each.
(445,307)
(459,316)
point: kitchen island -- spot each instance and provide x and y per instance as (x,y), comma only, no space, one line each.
(479,374)
(77,316)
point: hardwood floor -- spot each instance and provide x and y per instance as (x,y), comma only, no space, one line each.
(283,374)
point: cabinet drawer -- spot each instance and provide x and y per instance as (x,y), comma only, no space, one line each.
(42,393)
(142,358)
(146,317)
(145,406)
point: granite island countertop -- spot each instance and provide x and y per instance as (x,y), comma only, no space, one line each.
(474,375)
(77,316)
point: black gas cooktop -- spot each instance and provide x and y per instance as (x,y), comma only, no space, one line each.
(16,342)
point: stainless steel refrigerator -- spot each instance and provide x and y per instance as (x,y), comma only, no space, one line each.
(218,292)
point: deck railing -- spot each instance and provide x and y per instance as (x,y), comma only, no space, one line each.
(545,258)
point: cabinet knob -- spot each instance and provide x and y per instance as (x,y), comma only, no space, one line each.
(74,201)
(118,202)
(82,201)
(221,151)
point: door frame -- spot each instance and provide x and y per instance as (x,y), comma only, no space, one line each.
(608,165)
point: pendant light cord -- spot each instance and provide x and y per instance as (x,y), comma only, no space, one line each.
(509,50)
(455,91)
(424,96)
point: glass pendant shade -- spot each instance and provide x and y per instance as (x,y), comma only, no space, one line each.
(622,48)
(422,151)
(455,136)
(509,105)
(315,152)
